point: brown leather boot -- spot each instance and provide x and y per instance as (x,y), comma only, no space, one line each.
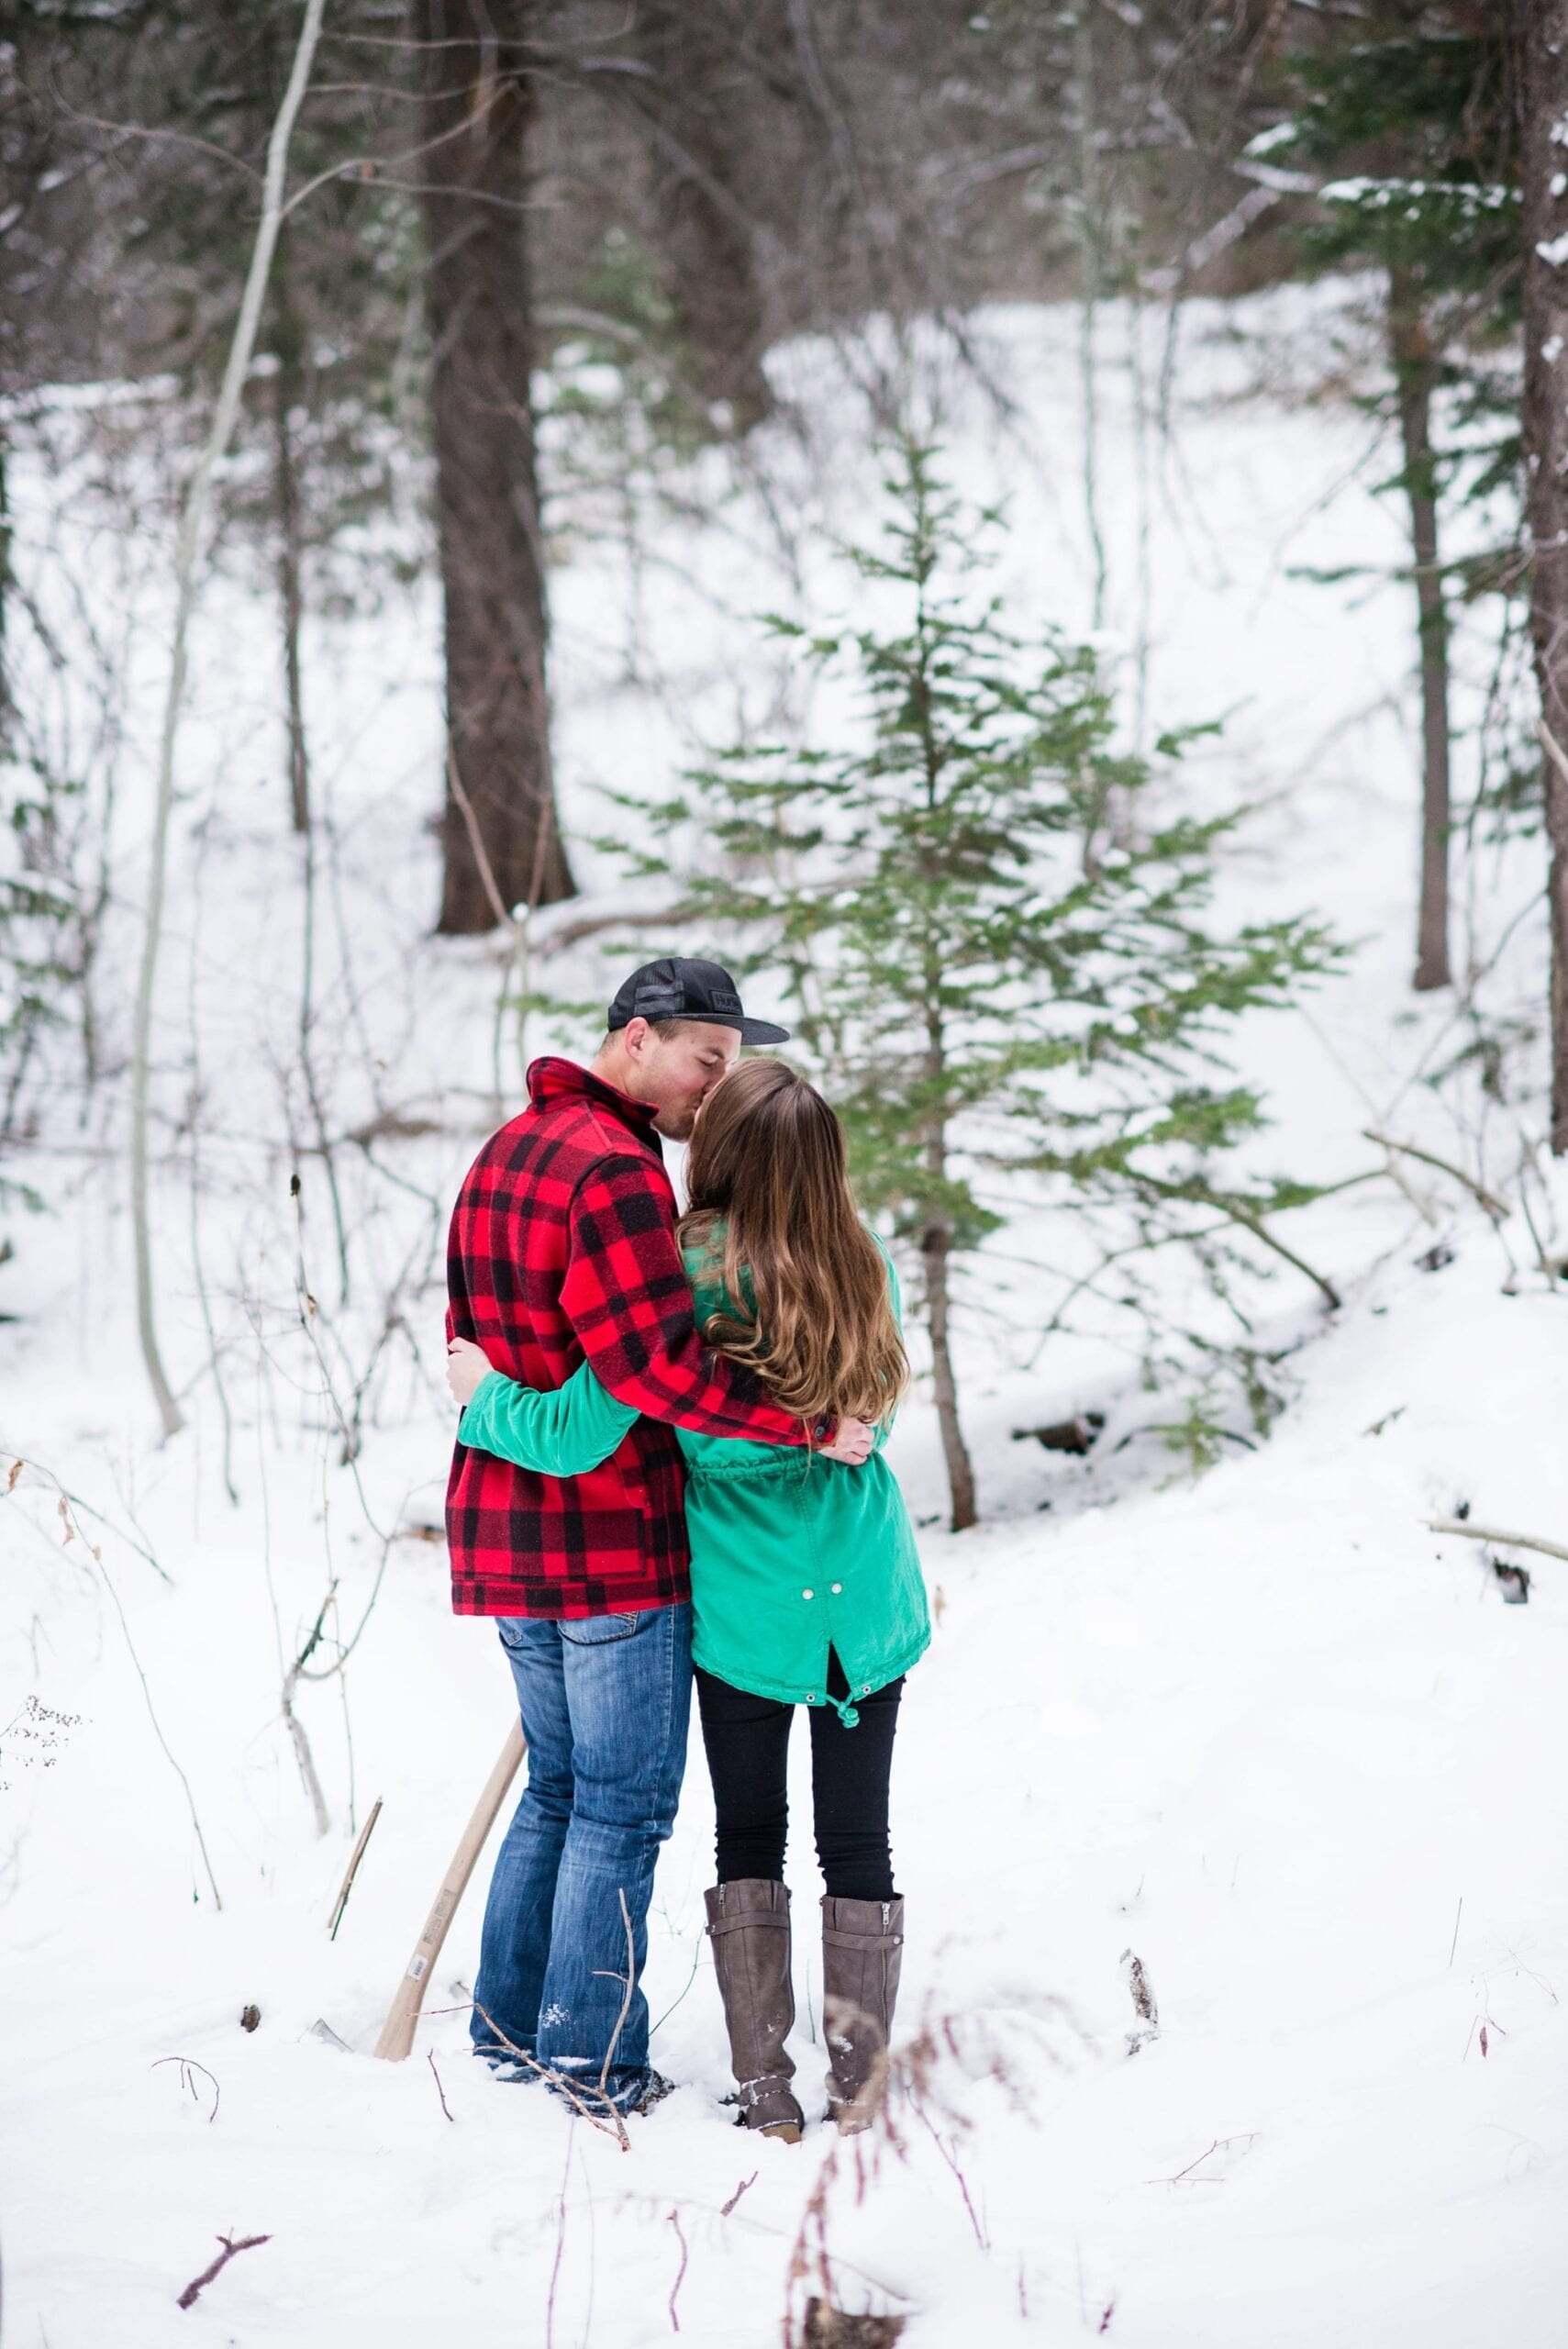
(863,1956)
(748,1923)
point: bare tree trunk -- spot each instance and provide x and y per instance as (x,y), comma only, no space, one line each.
(7,705)
(1091,223)
(477,98)
(936,1247)
(706,231)
(1543,64)
(285,395)
(1415,375)
(936,1241)
(193,523)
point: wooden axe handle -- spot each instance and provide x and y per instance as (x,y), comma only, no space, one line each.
(397,2032)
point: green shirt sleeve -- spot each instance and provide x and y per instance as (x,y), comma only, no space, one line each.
(560,1432)
(895,1297)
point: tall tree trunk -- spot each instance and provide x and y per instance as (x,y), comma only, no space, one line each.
(705,232)
(285,395)
(1414,377)
(1543,64)
(7,707)
(477,98)
(936,1243)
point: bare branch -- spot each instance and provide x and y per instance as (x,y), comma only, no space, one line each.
(1495,1207)
(1494,1533)
(193,2289)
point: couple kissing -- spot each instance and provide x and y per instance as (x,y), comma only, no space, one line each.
(669,1468)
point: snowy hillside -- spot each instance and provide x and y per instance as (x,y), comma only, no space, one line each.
(1262,1732)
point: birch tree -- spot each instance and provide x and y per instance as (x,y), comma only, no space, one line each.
(193,527)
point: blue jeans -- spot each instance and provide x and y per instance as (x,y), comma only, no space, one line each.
(604,1704)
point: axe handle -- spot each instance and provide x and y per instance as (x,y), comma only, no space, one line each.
(397,2032)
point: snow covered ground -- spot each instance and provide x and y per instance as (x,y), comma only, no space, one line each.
(1265,1731)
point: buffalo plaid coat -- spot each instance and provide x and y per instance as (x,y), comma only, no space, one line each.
(562,1245)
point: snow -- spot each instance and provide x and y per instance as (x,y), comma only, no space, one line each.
(1264,1730)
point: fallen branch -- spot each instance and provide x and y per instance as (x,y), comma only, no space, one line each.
(192,2290)
(347,1884)
(1496,1208)
(1492,1533)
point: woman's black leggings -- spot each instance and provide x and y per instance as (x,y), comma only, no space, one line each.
(748,1752)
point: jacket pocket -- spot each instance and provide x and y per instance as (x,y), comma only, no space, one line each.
(599,1630)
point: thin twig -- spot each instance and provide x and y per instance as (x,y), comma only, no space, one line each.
(73,1531)
(681,2272)
(476,841)
(347,1884)
(296,1730)
(626,2001)
(430,2059)
(952,2165)
(560,2247)
(82,1508)
(1493,1533)
(192,2290)
(726,2207)
(615,2127)
(187,2065)
(1496,1208)
(1249,1222)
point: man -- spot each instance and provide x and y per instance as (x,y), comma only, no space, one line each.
(562,1246)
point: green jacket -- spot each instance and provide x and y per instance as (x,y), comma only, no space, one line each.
(791,1555)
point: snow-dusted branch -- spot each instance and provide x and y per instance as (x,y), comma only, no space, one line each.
(1494,1533)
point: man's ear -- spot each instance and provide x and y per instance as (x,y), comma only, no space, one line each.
(634,1036)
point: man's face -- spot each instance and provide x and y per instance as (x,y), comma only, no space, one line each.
(677,1073)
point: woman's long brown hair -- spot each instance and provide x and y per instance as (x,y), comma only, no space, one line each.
(767,1158)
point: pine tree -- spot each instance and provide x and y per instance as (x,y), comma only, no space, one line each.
(1408,109)
(993,980)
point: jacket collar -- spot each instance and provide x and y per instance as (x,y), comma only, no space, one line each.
(551,1081)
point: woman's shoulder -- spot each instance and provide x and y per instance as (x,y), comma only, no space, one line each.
(703,1251)
(702,1245)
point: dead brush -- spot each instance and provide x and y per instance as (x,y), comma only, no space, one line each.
(916,2092)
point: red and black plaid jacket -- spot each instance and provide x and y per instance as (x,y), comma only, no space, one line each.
(562,1245)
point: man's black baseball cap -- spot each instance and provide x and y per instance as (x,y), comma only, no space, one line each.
(677,989)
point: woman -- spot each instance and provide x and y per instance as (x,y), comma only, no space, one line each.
(806,1581)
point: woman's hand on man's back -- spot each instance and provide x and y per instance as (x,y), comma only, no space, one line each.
(466,1365)
(852,1441)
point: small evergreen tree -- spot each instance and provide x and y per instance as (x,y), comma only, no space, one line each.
(991,974)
